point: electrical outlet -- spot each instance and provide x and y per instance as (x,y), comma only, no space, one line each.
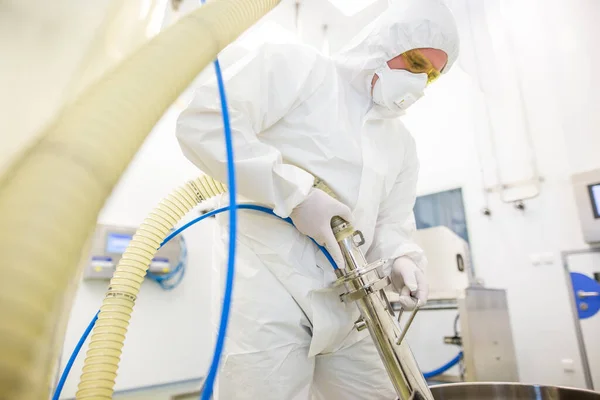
(547,258)
(568,365)
(535,259)
(538,259)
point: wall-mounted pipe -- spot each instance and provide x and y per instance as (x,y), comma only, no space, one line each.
(502,186)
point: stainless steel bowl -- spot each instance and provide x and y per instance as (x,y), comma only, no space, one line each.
(509,391)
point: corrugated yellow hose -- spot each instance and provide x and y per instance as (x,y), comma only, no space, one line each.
(103,355)
(104,351)
(50,197)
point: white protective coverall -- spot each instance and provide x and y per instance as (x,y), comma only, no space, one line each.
(295,112)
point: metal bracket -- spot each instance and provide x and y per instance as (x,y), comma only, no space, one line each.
(365,290)
(361,238)
(357,273)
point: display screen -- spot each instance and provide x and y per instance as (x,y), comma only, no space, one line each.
(117,242)
(595,198)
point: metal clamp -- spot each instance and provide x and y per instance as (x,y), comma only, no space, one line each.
(365,290)
(361,238)
(357,273)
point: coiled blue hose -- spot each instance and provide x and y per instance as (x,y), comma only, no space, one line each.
(171,280)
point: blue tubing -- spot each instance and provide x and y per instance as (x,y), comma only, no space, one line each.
(226,307)
(173,234)
(444,368)
(254,207)
(65,373)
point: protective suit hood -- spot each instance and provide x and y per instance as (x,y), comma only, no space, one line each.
(405,25)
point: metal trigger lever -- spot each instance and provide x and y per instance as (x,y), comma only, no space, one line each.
(411,318)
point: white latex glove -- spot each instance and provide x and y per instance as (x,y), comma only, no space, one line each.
(313,217)
(409,281)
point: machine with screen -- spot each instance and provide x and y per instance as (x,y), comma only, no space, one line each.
(109,243)
(117,242)
(587,194)
(485,335)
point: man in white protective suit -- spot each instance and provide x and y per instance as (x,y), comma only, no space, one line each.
(297,114)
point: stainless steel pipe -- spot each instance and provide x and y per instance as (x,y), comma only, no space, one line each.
(364,286)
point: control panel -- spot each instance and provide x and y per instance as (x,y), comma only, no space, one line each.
(108,244)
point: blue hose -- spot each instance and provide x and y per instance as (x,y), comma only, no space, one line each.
(83,338)
(225,308)
(65,373)
(444,368)
(171,280)
(254,207)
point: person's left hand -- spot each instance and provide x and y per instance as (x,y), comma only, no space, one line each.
(409,281)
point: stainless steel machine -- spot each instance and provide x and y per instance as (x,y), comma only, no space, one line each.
(485,337)
(365,287)
(485,334)
(516,391)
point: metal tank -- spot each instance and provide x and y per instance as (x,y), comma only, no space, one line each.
(509,391)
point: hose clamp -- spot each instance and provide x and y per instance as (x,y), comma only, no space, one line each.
(365,290)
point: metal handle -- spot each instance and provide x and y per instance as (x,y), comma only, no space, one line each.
(408,323)
(584,295)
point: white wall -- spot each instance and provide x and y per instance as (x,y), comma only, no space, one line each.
(560,103)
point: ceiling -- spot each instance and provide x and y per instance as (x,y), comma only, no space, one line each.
(315,20)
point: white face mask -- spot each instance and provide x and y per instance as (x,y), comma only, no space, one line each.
(398,89)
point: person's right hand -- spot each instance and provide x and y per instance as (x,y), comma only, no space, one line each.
(313,217)
(410,283)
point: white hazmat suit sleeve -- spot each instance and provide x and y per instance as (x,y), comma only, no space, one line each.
(396,222)
(261,89)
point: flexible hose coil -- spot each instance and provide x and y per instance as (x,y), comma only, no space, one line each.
(51,196)
(104,351)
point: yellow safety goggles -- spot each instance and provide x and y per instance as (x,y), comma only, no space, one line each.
(417,63)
